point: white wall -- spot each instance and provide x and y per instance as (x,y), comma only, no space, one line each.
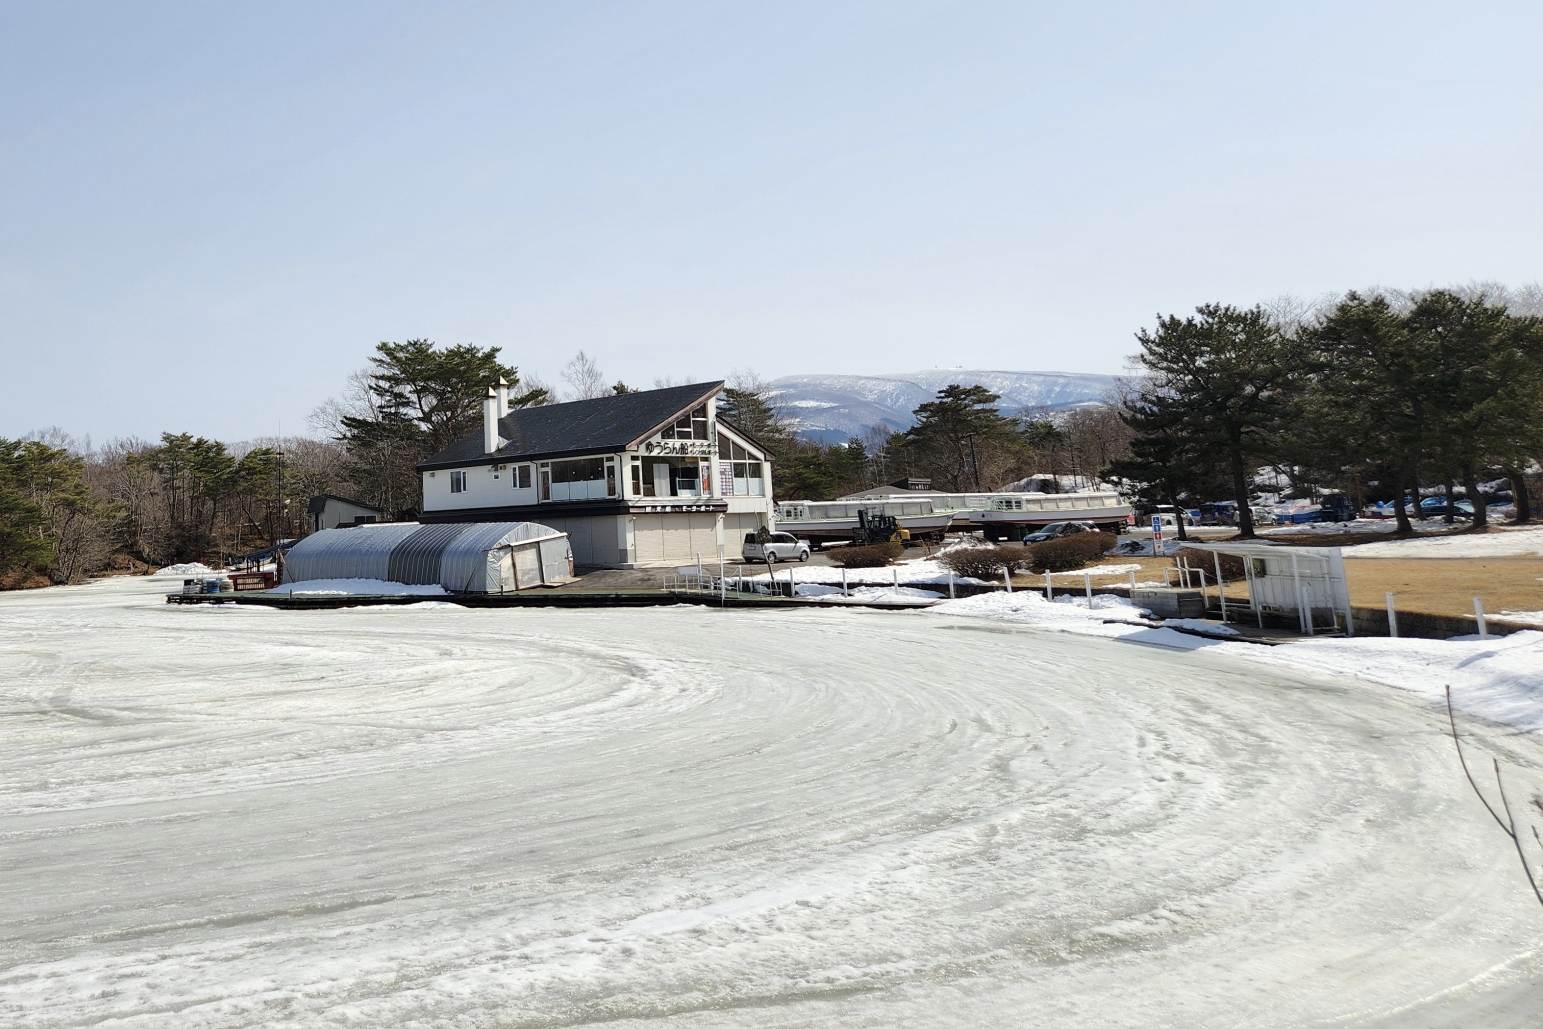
(482,489)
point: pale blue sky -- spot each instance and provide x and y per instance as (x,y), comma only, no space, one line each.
(201,197)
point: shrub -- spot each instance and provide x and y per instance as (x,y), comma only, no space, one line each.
(1232,565)
(1068,553)
(876,555)
(983,562)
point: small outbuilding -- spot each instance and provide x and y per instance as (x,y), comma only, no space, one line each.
(326,511)
(463,557)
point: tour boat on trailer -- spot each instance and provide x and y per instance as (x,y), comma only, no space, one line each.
(829,520)
(1011,516)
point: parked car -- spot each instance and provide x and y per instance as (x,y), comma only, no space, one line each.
(1167,520)
(1336,507)
(781,546)
(1220,512)
(1435,507)
(1055,530)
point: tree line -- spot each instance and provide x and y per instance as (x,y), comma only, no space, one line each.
(1374,394)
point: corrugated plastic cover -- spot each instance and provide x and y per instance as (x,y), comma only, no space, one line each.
(416,559)
(464,565)
(359,553)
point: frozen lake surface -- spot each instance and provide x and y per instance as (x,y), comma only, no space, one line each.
(433,816)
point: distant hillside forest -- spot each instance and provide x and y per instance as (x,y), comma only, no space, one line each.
(1376,394)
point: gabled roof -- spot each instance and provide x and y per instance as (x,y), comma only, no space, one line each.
(318,503)
(579,426)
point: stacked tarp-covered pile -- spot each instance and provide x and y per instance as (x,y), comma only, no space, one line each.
(464,557)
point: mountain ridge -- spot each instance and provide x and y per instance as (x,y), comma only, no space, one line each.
(834,408)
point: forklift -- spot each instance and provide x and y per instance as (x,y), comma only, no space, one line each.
(876,527)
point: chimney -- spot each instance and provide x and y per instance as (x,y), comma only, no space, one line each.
(490,422)
(503,396)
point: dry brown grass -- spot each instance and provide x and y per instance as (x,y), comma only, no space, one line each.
(1447,586)
(1443,586)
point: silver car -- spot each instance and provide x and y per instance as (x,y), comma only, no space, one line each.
(781,546)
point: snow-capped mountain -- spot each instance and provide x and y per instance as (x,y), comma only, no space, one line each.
(833,408)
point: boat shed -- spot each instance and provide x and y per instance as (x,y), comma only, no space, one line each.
(1305,583)
(463,557)
(653,478)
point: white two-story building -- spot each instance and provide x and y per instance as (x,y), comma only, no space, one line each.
(653,478)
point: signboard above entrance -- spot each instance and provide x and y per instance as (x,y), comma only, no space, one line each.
(681,447)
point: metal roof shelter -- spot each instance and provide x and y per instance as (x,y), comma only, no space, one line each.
(1307,582)
(463,557)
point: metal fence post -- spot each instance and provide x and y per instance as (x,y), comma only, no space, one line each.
(1007,579)
(1478,614)
(1392,617)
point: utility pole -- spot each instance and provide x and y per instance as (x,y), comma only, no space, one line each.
(278,521)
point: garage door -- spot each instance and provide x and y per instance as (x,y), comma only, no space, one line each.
(648,538)
(704,537)
(676,531)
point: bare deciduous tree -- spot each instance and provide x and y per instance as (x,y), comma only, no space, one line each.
(584,378)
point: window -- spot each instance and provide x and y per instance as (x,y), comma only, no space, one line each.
(728,450)
(638,489)
(546,483)
(585,469)
(747,479)
(684,481)
(689,426)
(584,478)
(520,477)
(457,482)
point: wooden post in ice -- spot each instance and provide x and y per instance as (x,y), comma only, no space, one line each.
(1307,607)
(894,580)
(1392,617)
(1007,579)
(1133,584)
(723,584)
(699,564)
(1087,587)
(1478,614)
(844,591)
(950,585)
(1049,593)
(792,586)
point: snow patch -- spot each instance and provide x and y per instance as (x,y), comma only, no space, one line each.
(1504,543)
(190,570)
(357,588)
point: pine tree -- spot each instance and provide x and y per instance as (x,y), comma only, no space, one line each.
(1218,384)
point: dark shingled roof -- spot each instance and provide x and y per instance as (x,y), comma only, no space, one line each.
(578,427)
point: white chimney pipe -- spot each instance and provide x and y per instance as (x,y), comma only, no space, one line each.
(503,396)
(490,422)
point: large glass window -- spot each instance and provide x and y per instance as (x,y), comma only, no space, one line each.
(457,482)
(585,478)
(747,479)
(670,477)
(690,426)
(520,477)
